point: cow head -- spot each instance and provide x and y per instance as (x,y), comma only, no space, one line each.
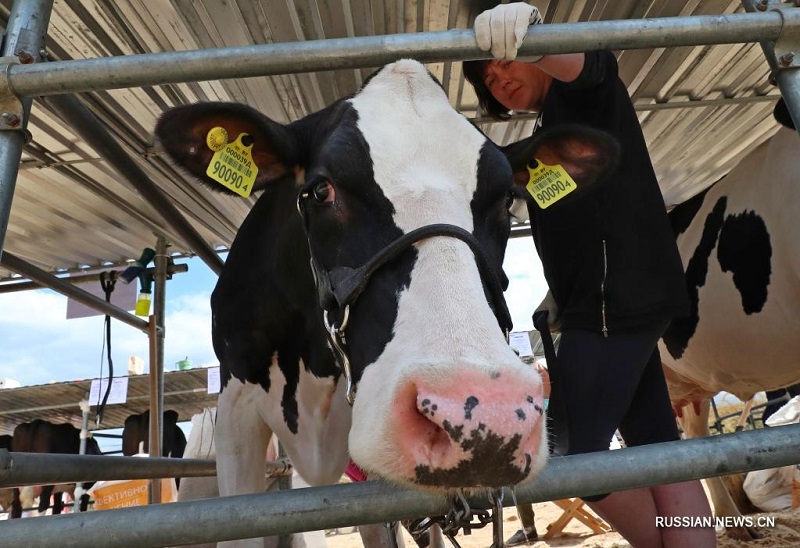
(442,399)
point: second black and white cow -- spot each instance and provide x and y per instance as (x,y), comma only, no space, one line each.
(379,238)
(739,244)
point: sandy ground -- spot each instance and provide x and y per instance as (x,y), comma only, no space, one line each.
(576,534)
(785,534)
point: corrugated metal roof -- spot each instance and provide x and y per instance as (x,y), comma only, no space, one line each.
(184,391)
(701,107)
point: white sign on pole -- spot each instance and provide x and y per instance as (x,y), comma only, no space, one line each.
(118,394)
(213,380)
(521,342)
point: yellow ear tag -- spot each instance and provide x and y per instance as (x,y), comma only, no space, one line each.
(548,184)
(217,138)
(232,165)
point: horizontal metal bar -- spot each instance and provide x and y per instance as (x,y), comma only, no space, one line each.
(12,262)
(55,406)
(318,508)
(641,107)
(373,51)
(13,287)
(20,469)
(702,103)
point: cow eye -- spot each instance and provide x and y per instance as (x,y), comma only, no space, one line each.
(322,191)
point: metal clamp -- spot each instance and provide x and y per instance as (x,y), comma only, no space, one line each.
(787,46)
(12,112)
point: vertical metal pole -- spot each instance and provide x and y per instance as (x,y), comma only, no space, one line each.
(84,405)
(787,77)
(157,362)
(25,35)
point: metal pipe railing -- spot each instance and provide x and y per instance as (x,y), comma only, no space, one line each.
(787,78)
(13,287)
(373,51)
(24,36)
(21,469)
(318,508)
(12,262)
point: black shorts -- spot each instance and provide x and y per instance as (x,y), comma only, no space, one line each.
(603,384)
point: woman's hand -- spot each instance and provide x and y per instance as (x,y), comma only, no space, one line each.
(502,28)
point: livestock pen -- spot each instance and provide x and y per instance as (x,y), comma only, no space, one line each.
(197,521)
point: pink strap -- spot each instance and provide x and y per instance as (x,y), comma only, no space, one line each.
(354,472)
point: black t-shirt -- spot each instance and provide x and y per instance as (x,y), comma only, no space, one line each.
(610,259)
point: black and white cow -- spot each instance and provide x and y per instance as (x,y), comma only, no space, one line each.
(6,495)
(740,245)
(40,436)
(442,401)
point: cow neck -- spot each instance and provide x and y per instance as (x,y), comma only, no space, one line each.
(340,286)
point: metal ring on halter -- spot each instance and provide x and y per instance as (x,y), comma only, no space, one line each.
(336,335)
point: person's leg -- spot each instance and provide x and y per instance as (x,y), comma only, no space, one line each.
(638,527)
(664,501)
(527,532)
(625,381)
(680,500)
(651,420)
(526,517)
(595,382)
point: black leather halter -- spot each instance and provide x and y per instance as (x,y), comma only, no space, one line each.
(339,287)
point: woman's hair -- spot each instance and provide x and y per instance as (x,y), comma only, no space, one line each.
(474,73)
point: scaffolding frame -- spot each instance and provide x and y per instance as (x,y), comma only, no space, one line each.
(775,26)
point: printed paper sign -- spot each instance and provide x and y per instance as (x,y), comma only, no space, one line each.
(118,394)
(520,342)
(213,380)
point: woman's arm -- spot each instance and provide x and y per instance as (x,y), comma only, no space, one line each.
(565,66)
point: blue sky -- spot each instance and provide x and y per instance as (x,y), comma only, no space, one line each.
(40,345)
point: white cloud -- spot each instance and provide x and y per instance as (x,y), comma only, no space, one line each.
(40,345)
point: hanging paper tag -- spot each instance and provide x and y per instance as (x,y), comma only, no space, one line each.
(232,166)
(548,184)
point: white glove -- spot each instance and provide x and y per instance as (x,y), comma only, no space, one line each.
(502,28)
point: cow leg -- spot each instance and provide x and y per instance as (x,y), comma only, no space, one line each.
(745,414)
(58,503)
(16,505)
(44,498)
(241,438)
(694,422)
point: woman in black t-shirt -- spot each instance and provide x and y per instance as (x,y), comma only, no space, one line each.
(613,270)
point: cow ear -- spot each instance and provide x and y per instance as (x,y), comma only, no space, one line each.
(587,155)
(782,115)
(186,134)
